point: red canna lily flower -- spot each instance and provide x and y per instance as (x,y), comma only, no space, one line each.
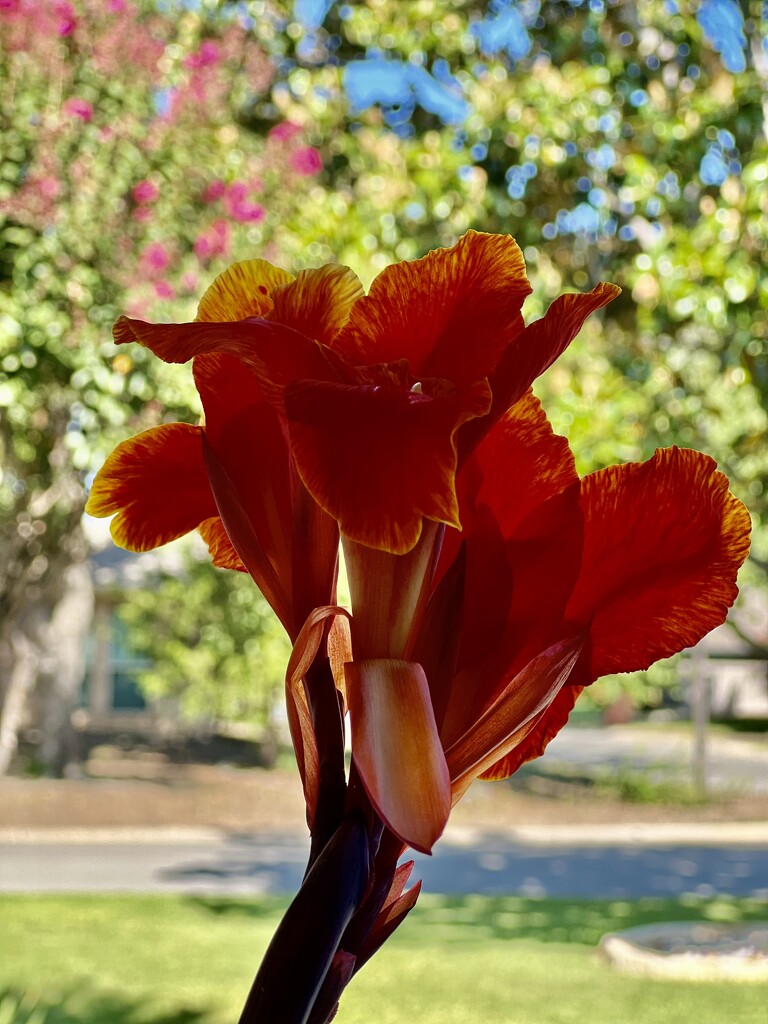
(489,584)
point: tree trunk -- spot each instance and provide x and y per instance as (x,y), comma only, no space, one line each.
(25,658)
(63,667)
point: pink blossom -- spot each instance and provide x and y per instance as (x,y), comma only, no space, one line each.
(239,206)
(49,187)
(78,107)
(214,191)
(156,256)
(207,55)
(145,191)
(65,14)
(284,131)
(164,290)
(306,160)
(213,242)
(117,6)
(142,214)
(189,281)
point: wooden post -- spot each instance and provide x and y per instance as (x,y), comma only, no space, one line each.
(699,701)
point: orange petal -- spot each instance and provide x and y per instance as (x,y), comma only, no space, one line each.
(156,484)
(340,652)
(379,459)
(451,314)
(535,741)
(299,715)
(245,540)
(523,538)
(504,724)
(245,433)
(276,354)
(220,546)
(388,594)
(663,542)
(241,291)
(396,749)
(535,349)
(318,302)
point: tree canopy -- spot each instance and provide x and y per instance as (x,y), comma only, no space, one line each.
(146,145)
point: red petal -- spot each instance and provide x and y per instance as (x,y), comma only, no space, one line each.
(244,432)
(276,354)
(503,725)
(451,314)
(377,458)
(388,594)
(396,749)
(535,349)
(663,542)
(299,715)
(523,538)
(245,541)
(536,740)
(157,485)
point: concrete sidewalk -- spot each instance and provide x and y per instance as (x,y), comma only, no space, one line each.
(571,862)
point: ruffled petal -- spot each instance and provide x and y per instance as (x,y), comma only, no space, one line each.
(242,291)
(663,542)
(396,749)
(379,459)
(534,350)
(318,302)
(276,354)
(155,484)
(451,314)
(220,546)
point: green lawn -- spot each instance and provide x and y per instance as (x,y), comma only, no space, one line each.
(504,960)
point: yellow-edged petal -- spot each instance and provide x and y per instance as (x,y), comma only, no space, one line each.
(156,486)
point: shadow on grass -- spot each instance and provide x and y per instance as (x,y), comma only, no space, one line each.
(464,919)
(79,1006)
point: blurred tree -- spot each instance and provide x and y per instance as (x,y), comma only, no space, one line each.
(213,644)
(146,144)
(125,181)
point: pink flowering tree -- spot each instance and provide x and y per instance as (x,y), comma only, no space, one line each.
(128,177)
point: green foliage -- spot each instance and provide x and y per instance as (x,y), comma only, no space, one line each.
(212,642)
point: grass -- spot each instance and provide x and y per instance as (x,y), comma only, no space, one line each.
(498,960)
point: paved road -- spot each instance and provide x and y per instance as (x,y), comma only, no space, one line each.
(625,866)
(734,763)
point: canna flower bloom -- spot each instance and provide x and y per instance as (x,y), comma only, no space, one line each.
(489,583)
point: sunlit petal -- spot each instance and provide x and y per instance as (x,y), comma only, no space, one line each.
(663,541)
(220,546)
(318,302)
(397,750)
(156,486)
(241,291)
(451,314)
